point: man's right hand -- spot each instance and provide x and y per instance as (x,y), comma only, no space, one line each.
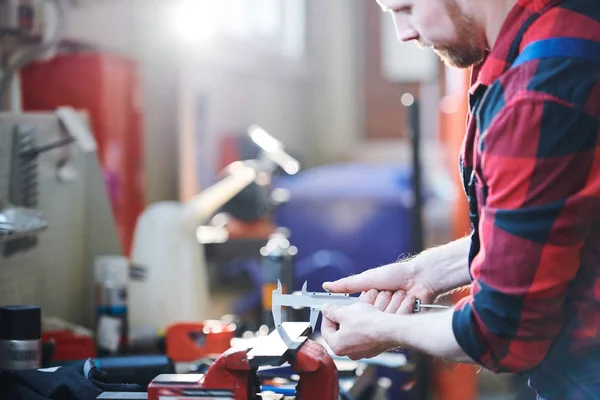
(392,288)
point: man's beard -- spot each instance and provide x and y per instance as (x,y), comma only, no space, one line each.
(468,52)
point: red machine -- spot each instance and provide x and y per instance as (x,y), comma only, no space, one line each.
(187,342)
(234,373)
(107,88)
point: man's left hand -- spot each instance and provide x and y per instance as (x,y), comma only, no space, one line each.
(358,331)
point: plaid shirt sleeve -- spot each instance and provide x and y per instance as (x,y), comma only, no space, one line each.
(539,172)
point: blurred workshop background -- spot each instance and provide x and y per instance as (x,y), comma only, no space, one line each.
(167,161)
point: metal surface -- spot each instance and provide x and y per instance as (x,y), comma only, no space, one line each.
(20,354)
(418,306)
(21,210)
(277,265)
(279,347)
(19,223)
(57,273)
(122,396)
(313,300)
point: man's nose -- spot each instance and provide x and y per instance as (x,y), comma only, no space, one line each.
(404,30)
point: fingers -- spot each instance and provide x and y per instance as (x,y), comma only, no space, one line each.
(329,311)
(395,302)
(351,284)
(382,300)
(369,296)
(380,278)
(328,328)
(407,305)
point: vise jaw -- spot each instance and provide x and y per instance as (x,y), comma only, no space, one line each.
(236,369)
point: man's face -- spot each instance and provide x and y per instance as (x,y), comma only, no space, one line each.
(440,24)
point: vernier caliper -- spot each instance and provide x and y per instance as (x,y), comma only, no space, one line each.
(315,301)
(305,299)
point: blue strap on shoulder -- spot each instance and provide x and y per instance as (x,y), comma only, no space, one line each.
(560,47)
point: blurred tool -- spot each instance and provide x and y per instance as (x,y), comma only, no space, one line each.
(167,244)
(277,266)
(21,211)
(20,219)
(111,277)
(71,202)
(188,342)
(256,201)
(20,337)
(7,226)
(26,19)
(122,396)
(178,387)
(20,222)
(418,306)
(315,301)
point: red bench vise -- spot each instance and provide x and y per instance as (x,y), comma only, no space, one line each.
(236,369)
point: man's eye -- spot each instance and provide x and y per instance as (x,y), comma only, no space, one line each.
(400,10)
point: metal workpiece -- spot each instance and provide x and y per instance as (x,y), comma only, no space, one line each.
(19,222)
(20,354)
(20,337)
(280,345)
(419,306)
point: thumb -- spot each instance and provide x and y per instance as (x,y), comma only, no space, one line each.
(329,311)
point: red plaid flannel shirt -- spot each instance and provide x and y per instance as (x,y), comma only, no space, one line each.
(531,159)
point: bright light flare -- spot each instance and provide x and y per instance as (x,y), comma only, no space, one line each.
(274,150)
(265,141)
(196,21)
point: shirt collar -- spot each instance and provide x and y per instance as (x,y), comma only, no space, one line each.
(496,60)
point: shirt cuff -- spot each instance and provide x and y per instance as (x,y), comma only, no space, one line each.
(464,328)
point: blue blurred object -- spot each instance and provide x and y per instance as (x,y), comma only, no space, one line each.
(363,212)
(351,217)
(321,266)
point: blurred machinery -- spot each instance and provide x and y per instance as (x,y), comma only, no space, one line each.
(170,237)
(41,71)
(107,87)
(56,216)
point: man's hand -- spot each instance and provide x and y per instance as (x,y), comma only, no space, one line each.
(398,302)
(433,272)
(364,330)
(357,331)
(398,284)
